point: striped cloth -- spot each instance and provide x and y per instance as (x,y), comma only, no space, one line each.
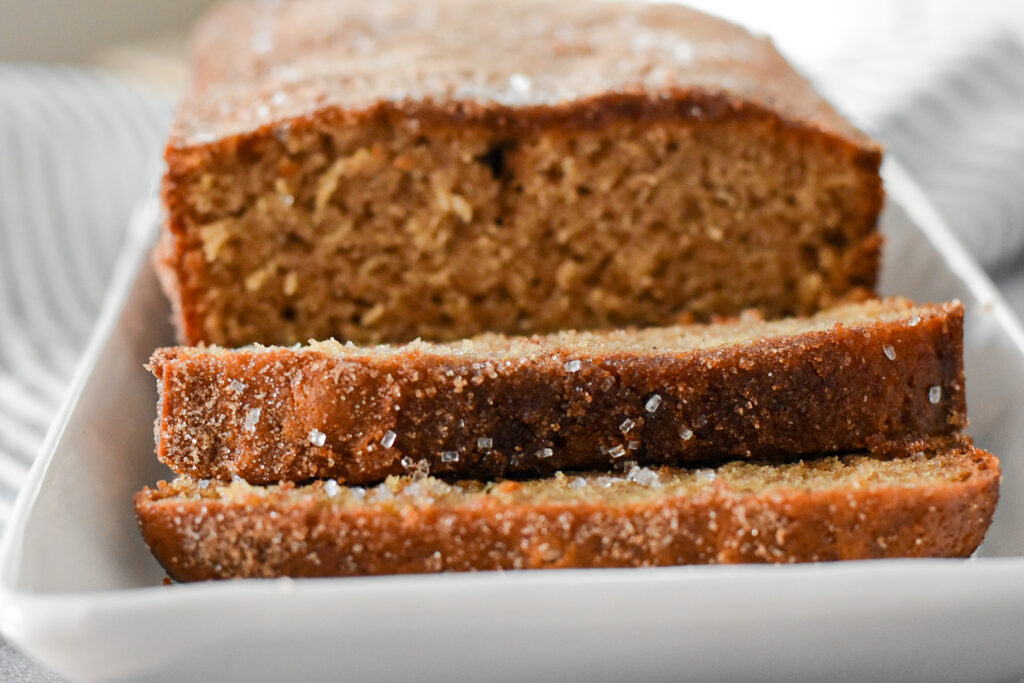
(958,129)
(963,139)
(78,149)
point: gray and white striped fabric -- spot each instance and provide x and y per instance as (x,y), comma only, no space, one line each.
(959,130)
(77,150)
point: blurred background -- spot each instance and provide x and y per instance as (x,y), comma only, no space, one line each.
(70,31)
(87,91)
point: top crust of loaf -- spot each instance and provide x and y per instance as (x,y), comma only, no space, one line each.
(509,64)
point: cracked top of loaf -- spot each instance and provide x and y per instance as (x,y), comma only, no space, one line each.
(258,65)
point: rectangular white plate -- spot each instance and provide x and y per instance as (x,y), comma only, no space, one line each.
(81,593)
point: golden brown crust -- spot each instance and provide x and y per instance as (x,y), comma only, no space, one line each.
(935,501)
(566,63)
(501,406)
(255,119)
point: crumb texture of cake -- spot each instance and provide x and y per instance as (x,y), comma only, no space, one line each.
(386,171)
(497,406)
(935,500)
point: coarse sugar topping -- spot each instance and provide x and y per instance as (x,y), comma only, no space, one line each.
(265,63)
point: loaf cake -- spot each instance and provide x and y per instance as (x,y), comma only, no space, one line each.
(935,499)
(499,406)
(383,171)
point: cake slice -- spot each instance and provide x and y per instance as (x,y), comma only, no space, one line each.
(418,168)
(916,499)
(499,406)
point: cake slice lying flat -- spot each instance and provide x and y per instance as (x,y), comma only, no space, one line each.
(923,499)
(498,406)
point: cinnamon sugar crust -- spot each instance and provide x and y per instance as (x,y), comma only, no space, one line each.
(497,406)
(295,58)
(934,499)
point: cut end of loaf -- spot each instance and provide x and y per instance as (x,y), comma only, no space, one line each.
(602,195)
(378,235)
(935,500)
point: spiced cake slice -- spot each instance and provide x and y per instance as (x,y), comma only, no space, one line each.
(497,406)
(933,498)
(383,171)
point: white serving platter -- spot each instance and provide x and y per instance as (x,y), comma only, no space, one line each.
(81,594)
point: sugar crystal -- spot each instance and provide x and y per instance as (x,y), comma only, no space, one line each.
(261,42)
(573,366)
(331,488)
(317,438)
(685,434)
(913,322)
(617,452)
(683,51)
(388,440)
(652,403)
(577,483)
(545,453)
(889,352)
(449,456)
(705,475)
(237,386)
(203,483)
(484,442)
(644,476)
(251,418)
(626,425)
(288,74)
(607,383)
(519,83)
(415,490)
(935,393)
